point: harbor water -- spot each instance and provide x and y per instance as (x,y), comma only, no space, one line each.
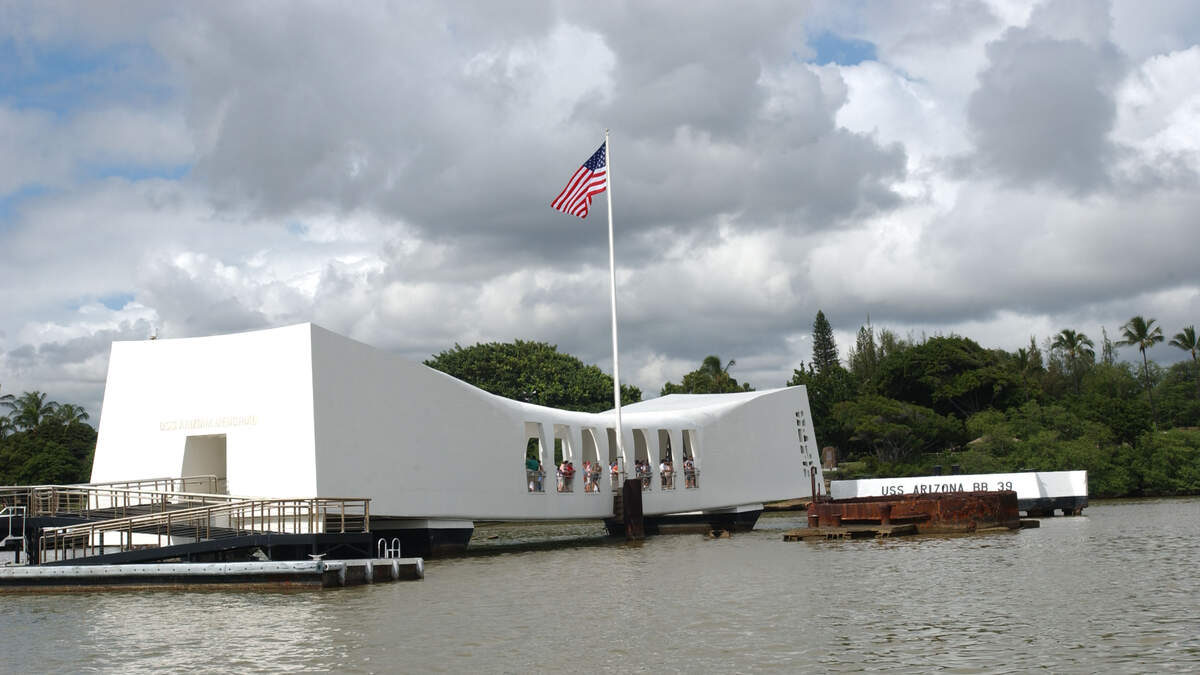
(1116,590)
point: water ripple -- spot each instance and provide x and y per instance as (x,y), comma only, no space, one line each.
(1114,591)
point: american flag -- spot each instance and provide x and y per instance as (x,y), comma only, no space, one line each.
(589,180)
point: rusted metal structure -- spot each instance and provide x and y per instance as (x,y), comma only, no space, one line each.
(928,514)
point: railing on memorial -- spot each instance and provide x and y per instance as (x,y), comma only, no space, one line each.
(536,480)
(617,479)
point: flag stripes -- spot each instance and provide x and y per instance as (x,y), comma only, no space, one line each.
(589,180)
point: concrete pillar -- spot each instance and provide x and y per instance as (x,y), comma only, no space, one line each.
(630,451)
(602,447)
(551,472)
(546,456)
(652,451)
(677,454)
(575,440)
(697,454)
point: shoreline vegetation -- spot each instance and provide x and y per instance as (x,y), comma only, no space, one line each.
(44,442)
(893,407)
(901,407)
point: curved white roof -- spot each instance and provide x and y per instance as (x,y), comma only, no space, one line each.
(299,410)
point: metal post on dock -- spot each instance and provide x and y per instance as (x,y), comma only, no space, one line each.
(631,502)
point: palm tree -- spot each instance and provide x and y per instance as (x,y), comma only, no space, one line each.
(1021,361)
(1075,346)
(1026,362)
(6,424)
(1143,334)
(1186,340)
(68,413)
(711,367)
(30,409)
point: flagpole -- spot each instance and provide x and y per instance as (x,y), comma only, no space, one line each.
(612,287)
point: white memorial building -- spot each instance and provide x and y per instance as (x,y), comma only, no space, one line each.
(300,411)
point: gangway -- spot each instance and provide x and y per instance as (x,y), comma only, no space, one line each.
(211,529)
(203,484)
(106,500)
(102,503)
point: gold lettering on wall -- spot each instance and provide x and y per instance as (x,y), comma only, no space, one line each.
(208,422)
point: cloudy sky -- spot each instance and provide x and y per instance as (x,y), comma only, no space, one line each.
(993,169)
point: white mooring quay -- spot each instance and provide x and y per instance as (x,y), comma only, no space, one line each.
(1039,493)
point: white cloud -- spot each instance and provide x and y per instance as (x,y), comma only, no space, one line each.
(385,171)
(1159,108)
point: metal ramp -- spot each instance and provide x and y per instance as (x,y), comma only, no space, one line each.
(175,518)
(212,529)
(107,500)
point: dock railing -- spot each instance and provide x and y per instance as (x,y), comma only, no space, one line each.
(87,501)
(83,499)
(208,484)
(320,515)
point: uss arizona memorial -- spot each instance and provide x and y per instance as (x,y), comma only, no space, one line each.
(300,410)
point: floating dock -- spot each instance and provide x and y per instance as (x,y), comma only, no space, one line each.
(240,575)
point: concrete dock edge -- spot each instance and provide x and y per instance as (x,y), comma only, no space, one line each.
(261,574)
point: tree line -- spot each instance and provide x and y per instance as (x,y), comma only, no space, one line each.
(899,407)
(44,442)
(894,406)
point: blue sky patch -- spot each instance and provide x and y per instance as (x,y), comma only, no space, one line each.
(833,48)
(10,201)
(134,172)
(66,78)
(117,300)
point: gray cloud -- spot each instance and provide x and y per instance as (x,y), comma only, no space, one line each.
(410,126)
(1045,104)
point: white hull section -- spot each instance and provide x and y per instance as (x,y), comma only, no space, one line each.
(1028,485)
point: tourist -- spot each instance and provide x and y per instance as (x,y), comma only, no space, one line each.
(568,476)
(689,472)
(667,472)
(531,472)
